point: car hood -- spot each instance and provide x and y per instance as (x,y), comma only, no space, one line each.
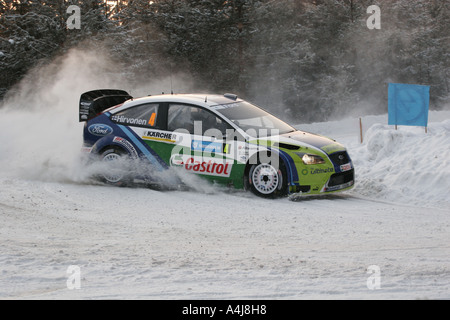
(308,140)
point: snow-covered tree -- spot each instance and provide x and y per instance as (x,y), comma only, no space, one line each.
(32,32)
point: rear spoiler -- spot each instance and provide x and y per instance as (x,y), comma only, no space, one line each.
(94,102)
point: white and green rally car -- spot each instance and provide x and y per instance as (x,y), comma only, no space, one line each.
(219,137)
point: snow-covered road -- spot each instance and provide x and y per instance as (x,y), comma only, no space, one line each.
(146,244)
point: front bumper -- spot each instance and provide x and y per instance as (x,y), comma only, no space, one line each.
(340,181)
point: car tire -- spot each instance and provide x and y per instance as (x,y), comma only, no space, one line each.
(115,169)
(267,180)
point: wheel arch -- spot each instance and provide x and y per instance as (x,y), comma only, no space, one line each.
(117,142)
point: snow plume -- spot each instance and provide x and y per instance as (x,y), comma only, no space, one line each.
(41,135)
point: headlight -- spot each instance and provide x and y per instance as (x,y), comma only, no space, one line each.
(312,159)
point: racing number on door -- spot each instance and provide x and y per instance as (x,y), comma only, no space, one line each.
(152,119)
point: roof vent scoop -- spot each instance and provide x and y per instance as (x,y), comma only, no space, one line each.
(230,96)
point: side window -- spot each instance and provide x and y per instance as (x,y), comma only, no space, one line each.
(184,117)
(141,116)
(179,117)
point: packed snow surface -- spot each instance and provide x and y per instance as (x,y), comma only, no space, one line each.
(388,238)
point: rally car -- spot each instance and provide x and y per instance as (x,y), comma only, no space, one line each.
(219,137)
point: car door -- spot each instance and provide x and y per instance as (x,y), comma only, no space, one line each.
(201,147)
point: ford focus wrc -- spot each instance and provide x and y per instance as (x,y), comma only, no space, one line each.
(219,137)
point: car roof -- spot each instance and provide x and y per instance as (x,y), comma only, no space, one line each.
(204,100)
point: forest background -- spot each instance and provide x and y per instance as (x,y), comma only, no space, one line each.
(302,60)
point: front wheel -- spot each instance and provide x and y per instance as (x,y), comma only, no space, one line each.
(267,180)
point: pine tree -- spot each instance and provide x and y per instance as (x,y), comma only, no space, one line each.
(30,32)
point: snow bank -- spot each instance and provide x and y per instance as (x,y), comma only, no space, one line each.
(406,165)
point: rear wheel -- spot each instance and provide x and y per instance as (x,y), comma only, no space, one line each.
(115,169)
(268,180)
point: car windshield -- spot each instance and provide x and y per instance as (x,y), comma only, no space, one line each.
(253,120)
